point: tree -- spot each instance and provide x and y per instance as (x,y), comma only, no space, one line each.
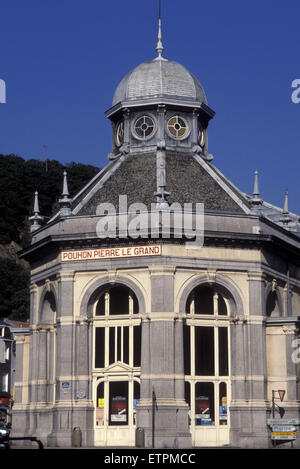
(19,179)
(14,292)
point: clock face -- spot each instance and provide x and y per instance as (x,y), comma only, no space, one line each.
(178,127)
(119,135)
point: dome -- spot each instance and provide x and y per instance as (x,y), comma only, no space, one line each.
(159,78)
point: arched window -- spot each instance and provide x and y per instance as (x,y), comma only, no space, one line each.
(117,353)
(206,355)
(272,306)
(48,309)
(206,300)
(117,300)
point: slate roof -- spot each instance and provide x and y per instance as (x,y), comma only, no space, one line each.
(159,78)
(189,179)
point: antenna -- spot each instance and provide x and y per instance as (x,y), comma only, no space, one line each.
(159,46)
(46,156)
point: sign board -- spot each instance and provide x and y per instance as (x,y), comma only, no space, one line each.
(65,385)
(283,436)
(80,394)
(281,393)
(283,422)
(283,428)
(100,402)
(111,253)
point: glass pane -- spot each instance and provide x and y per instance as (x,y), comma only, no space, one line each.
(222,309)
(136,399)
(204,404)
(187,349)
(223,351)
(139,132)
(172,121)
(119,343)
(99,347)
(204,351)
(181,132)
(148,131)
(126,344)
(135,304)
(100,405)
(172,131)
(223,404)
(100,308)
(118,403)
(204,300)
(137,346)
(119,300)
(187,396)
(189,304)
(111,345)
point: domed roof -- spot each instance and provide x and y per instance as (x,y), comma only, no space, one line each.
(159,78)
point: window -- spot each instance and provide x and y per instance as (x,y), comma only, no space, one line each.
(272,307)
(206,356)
(144,127)
(178,127)
(117,353)
(115,301)
(119,135)
(205,300)
(118,403)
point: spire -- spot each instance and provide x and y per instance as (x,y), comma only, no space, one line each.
(161,192)
(36,218)
(255,188)
(286,218)
(65,192)
(256,201)
(159,46)
(36,208)
(65,200)
(285,210)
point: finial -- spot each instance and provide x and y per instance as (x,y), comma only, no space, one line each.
(36,208)
(286,203)
(256,201)
(65,192)
(65,200)
(286,218)
(36,218)
(255,188)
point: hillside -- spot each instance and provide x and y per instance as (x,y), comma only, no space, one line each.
(19,179)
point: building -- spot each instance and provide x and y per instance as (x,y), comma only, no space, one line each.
(126,306)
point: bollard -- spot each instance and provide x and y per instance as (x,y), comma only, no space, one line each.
(139,437)
(76,437)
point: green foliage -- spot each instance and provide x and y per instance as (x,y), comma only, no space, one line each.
(19,179)
(14,291)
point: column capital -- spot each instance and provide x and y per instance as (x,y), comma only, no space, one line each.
(162,269)
(65,275)
(256,276)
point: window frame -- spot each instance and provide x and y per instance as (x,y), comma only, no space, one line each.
(215,321)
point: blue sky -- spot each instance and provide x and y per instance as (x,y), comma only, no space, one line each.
(62,60)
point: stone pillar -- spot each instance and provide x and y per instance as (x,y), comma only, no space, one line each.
(62,411)
(249,403)
(162,368)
